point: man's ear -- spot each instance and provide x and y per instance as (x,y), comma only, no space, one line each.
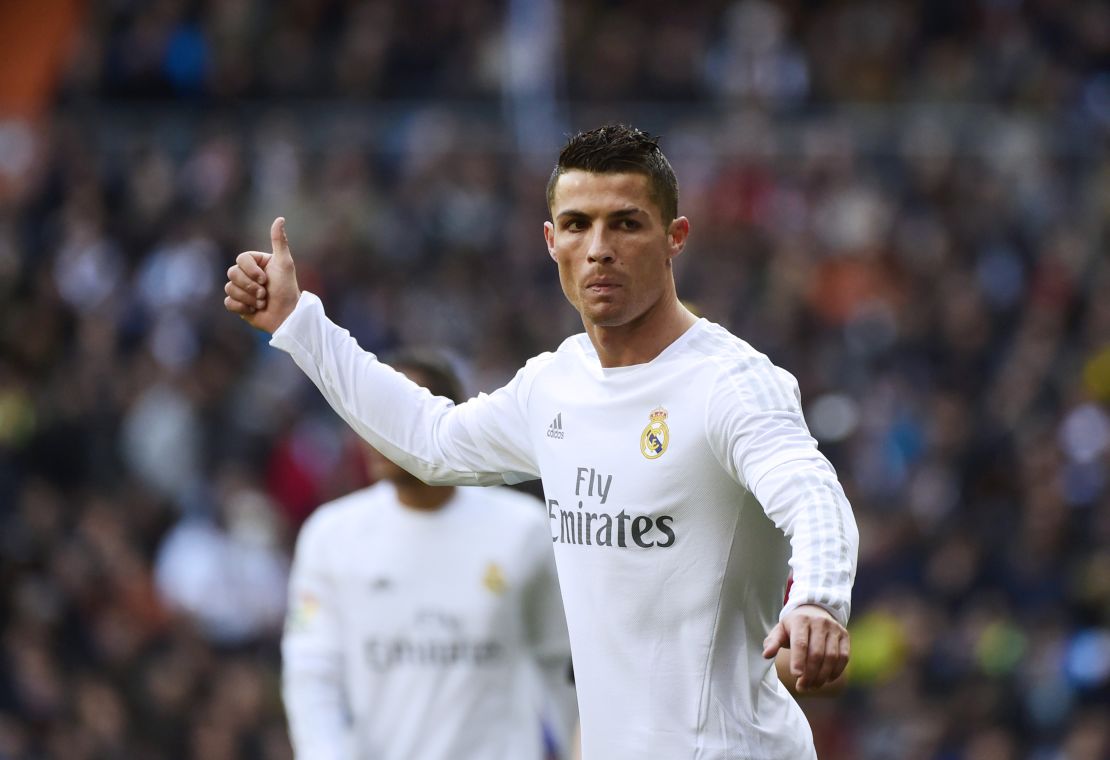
(549,236)
(677,234)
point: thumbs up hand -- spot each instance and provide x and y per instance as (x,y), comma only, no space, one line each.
(262,287)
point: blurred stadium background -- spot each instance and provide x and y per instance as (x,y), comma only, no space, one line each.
(906,203)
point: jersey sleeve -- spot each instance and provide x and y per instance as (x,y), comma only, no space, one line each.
(756,427)
(549,641)
(481,442)
(312,658)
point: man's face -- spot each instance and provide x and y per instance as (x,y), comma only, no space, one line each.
(613,250)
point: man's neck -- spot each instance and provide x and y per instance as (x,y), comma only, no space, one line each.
(421,497)
(642,339)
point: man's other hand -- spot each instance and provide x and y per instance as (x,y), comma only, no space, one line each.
(819,646)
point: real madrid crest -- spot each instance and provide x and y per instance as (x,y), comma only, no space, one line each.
(656,436)
(494,579)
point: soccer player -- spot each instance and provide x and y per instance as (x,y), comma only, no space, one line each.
(425,621)
(681,481)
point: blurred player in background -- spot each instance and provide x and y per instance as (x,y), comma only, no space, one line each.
(425,621)
(682,482)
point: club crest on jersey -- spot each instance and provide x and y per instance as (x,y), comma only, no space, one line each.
(656,436)
(494,579)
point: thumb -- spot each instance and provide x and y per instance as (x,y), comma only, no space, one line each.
(776,640)
(278,239)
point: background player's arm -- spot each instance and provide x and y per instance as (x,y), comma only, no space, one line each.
(312,660)
(549,644)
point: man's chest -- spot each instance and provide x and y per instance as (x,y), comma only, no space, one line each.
(627,471)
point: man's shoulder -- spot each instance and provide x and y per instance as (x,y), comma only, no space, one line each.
(713,340)
(720,350)
(733,362)
(573,349)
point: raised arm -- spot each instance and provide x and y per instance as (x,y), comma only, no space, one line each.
(481,442)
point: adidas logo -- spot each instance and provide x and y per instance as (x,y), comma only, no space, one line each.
(555,429)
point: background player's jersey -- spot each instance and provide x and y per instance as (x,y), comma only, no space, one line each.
(425,635)
(672,487)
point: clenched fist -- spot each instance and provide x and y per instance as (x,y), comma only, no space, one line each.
(262,287)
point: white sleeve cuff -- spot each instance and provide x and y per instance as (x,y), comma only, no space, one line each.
(284,338)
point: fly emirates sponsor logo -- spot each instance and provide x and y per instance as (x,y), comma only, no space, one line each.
(592,522)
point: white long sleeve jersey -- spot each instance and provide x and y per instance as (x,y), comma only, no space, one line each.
(430,636)
(680,494)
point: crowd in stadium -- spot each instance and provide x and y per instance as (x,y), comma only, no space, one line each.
(935,277)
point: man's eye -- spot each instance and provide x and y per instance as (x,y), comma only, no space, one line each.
(629,224)
(575,225)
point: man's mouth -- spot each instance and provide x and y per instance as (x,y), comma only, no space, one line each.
(602,287)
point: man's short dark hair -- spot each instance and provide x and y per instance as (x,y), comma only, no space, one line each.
(617,148)
(434,370)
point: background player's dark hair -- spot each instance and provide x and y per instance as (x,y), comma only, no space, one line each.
(618,148)
(436,372)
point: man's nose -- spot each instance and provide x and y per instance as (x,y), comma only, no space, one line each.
(601,248)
